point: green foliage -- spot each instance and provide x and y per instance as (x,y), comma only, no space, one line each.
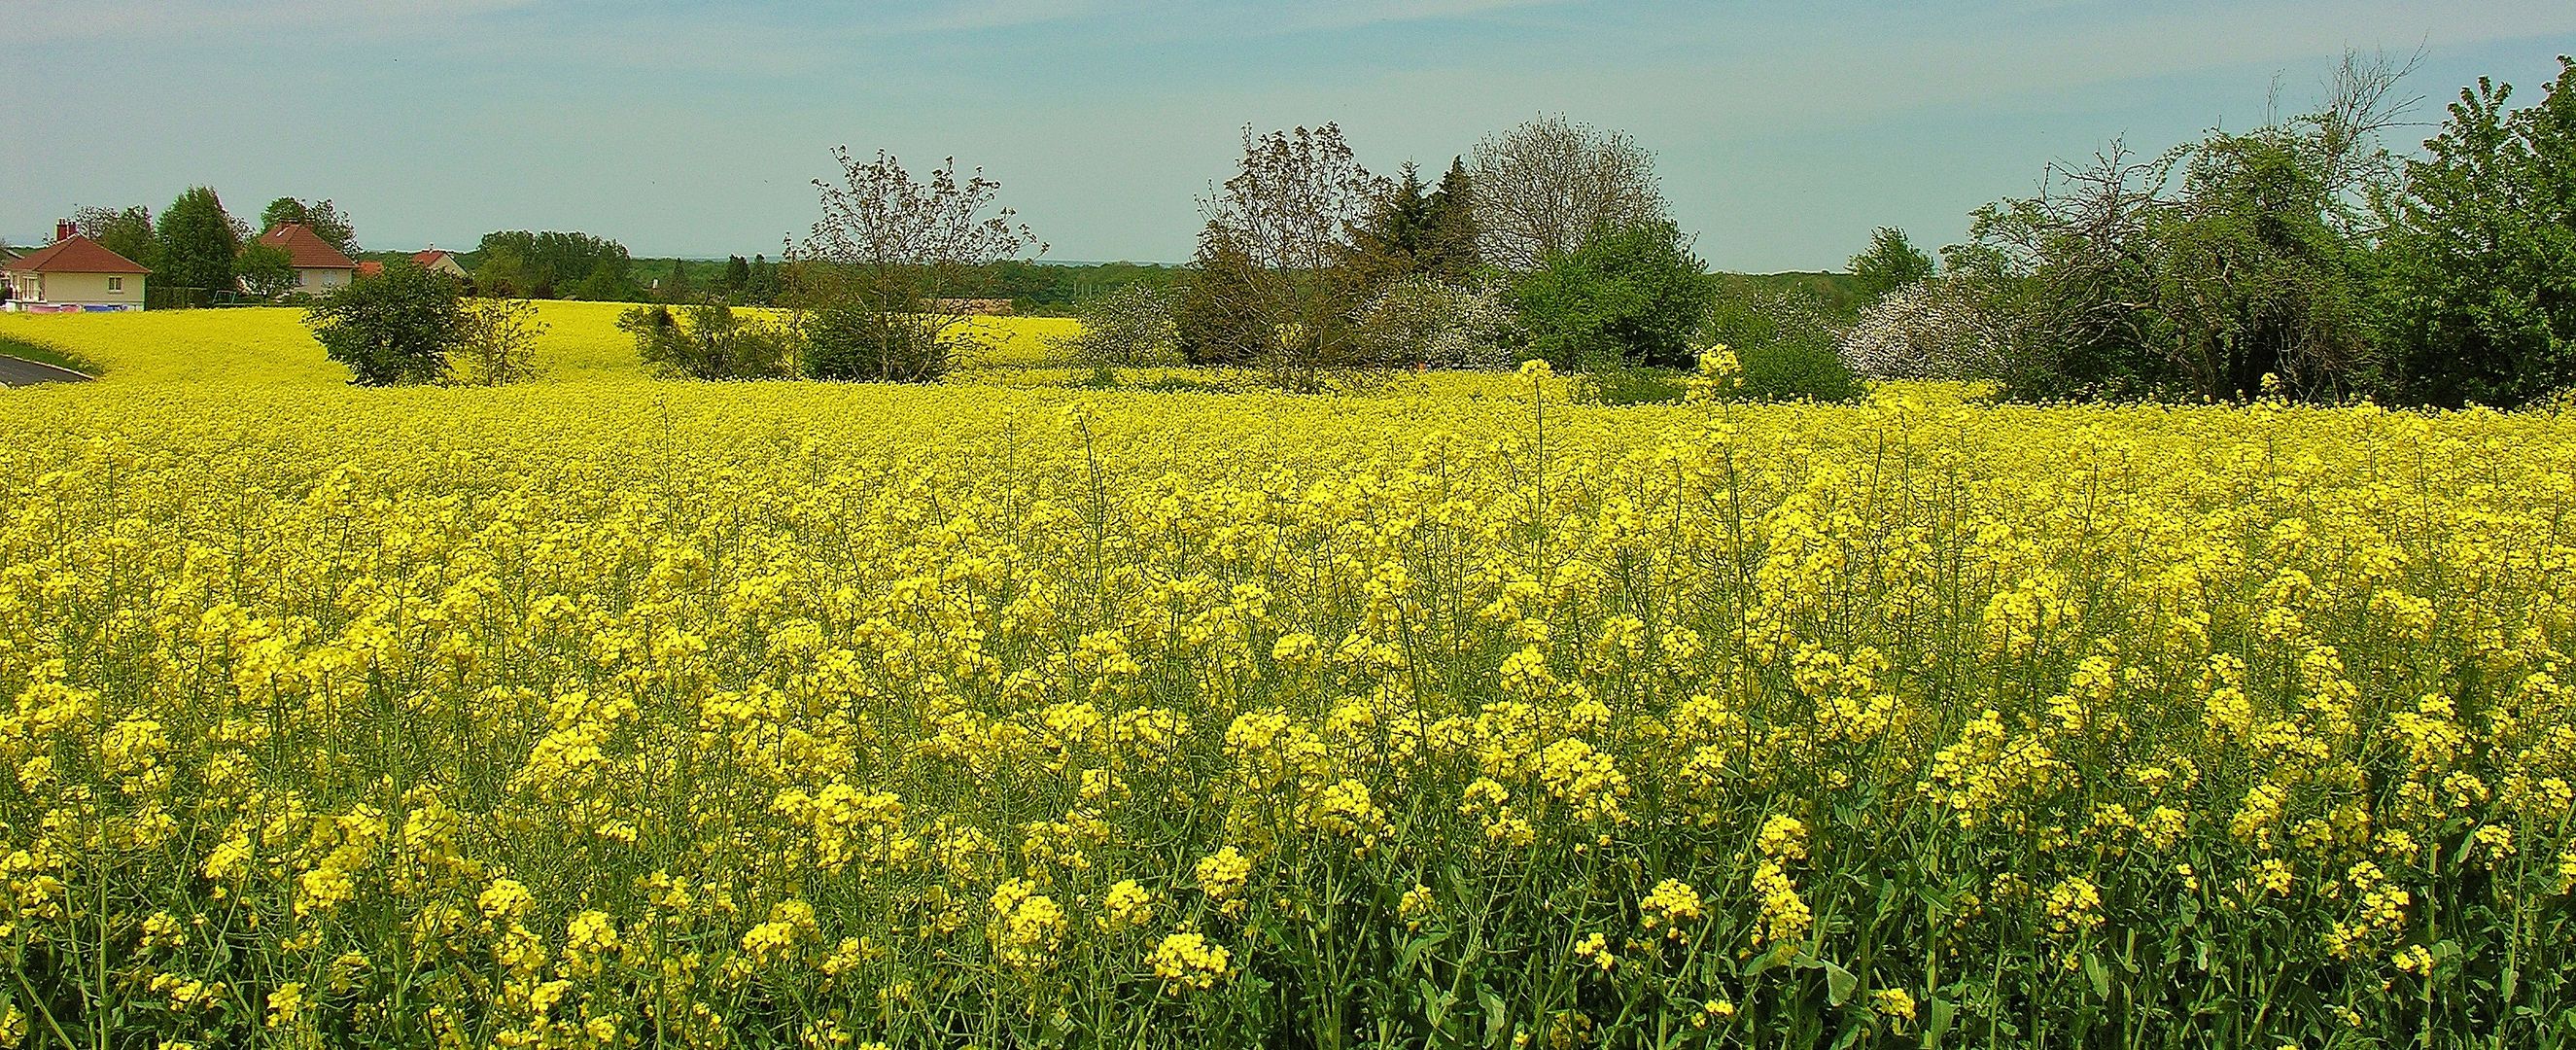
(396,328)
(198,242)
(265,271)
(1785,348)
(853,343)
(1631,296)
(1212,323)
(1420,231)
(1130,327)
(2481,253)
(552,264)
(710,342)
(1891,262)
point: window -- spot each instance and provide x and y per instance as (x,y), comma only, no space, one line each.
(303,276)
(116,284)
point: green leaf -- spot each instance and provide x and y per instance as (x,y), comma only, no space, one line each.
(1943,1013)
(1839,983)
(2100,974)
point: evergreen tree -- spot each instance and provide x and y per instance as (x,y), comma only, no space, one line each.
(1449,235)
(198,242)
(675,288)
(737,275)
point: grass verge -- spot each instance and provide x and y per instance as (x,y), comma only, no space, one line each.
(42,354)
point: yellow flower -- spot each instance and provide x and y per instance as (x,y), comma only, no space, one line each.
(1187,960)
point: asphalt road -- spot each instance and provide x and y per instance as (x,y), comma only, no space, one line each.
(20,372)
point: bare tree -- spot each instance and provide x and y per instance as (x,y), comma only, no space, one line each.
(1290,214)
(888,268)
(1544,186)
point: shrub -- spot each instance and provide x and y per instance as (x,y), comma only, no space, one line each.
(1421,321)
(1785,349)
(1127,328)
(1634,295)
(710,342)
(392,329)
(1937,328)
(858,344)
(498,343)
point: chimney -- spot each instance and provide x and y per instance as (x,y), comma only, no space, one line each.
(63,229)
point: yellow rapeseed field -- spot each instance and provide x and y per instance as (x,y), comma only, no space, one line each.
(629,713)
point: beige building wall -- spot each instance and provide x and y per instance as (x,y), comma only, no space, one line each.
(316,282)
(447,264)
(87,289)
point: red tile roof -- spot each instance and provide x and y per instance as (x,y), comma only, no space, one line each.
(73,254)
(307,248)
(370,268)
(430,257)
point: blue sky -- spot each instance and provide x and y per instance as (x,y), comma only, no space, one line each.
(1785,131)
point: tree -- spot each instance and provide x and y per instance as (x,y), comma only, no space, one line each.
(322,217)
(393,329)
(1627,297)
(1543,187)
(1286,225)
(1891,262)
(2481,252)
(2217,269)
(125,231)
(1218,320)
(497,344)
(545,265)
(265,271)
(199,242)
(1422,320)
(891,261)
(710,341)
(1449,242)
(675,288)
(1129,327)
(737,276)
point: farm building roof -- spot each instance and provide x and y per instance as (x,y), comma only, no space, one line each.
(74,254)
(307,248)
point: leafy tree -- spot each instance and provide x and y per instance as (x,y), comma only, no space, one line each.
(1625,297)
(710,341)
(199,242)
(2481,252)
(1891,262)
(1126,328)
(497,343)
(396,328)
(675,288)
(891,261)
(737,276)
(764,284)
(1543,187)
(126,231)
(1217,320)
(1785,346)
(1422,320)
(545,265)
(1281,234)
(2216,269)
(322,217)
(266,271)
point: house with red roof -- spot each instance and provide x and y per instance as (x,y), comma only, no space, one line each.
(73,275)
(319,267)
(438,261)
